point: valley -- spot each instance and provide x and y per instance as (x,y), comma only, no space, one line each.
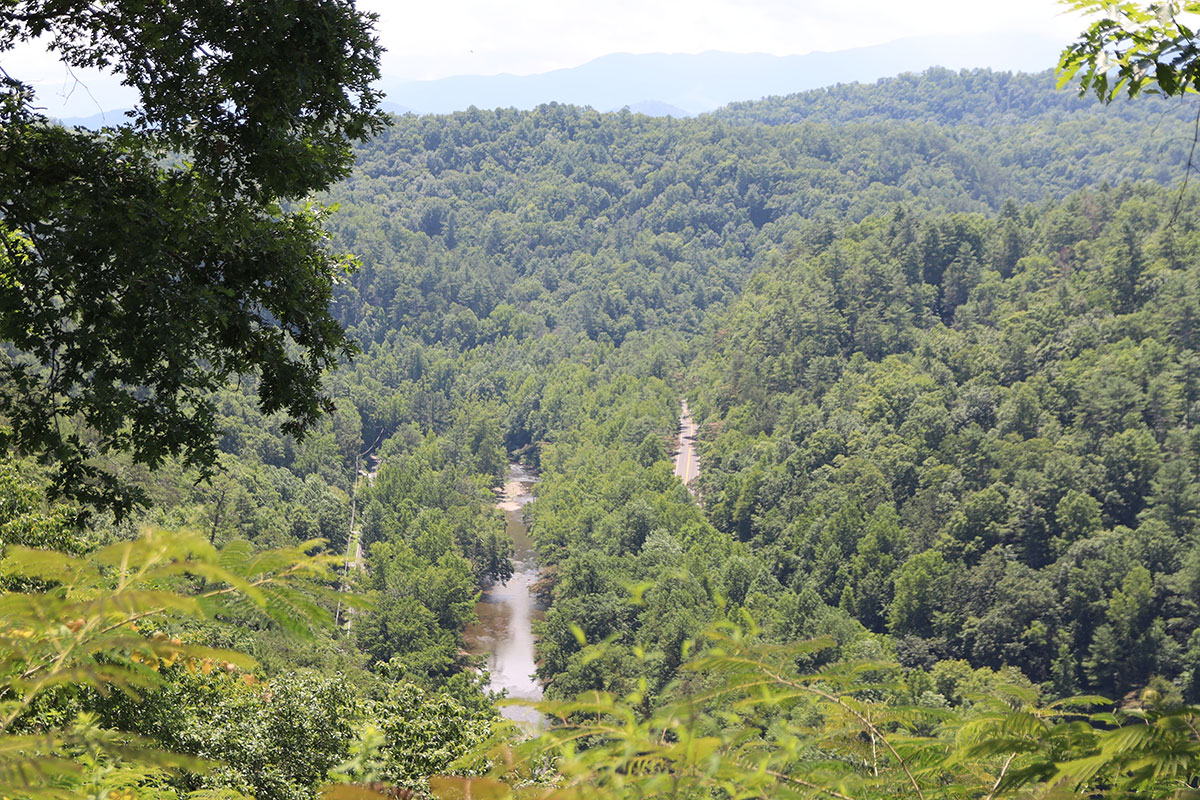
(838,444)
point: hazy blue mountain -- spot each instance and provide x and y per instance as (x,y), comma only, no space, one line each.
(96,121)
(679,84)
(394,108)
(701,82)
(656,108)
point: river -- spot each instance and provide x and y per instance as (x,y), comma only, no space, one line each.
(506,611)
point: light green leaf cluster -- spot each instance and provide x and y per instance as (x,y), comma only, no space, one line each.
(761,728)
(94,622)
(1134,48)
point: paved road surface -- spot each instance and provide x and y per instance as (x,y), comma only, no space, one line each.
(354,553)
(687,465)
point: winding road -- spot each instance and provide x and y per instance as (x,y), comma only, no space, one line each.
(687,464)
(354,553)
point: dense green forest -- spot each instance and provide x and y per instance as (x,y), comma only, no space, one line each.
(942,338)
(975,434)
(610,223)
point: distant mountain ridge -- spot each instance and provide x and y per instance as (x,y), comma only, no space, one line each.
(685,84)
(695,83)
(98,120)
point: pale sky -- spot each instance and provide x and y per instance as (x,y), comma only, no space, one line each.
(439,38)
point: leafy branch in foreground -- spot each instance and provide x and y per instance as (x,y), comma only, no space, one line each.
(1134,48)
(746,723)
(1149,748)
(81,622)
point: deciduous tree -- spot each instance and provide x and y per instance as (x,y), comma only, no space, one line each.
(145,266)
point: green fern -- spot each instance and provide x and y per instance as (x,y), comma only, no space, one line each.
(762,729)
(743,737)
(89,628)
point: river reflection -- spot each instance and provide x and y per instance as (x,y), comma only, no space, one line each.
(506,612)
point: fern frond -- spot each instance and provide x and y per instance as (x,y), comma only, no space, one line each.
(83,631)
(46,565)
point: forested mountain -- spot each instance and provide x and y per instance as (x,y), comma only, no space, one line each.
(976,434)
(940,333)
(976,98)
(609,223)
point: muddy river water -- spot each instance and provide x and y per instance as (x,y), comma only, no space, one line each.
(506,611)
